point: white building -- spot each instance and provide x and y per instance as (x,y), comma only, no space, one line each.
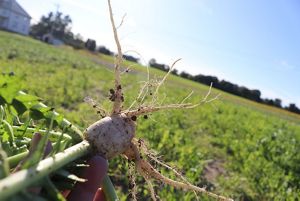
(13,17)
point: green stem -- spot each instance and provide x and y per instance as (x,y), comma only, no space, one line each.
(53,134)
(4,164)
(10,132)
(24,178)
(14,160)
(109,190)
(75,133)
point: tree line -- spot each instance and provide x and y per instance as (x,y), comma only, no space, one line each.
(55,27)
(251,94)
(59,27)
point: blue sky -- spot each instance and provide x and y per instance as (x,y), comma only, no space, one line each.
(252,43)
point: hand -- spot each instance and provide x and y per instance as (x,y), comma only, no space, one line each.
(94,174)
(89,190)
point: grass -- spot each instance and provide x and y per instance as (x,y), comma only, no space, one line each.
(234,146)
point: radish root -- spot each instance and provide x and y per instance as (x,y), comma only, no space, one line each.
(132,176)
(118,88)
(114,135)
(149,172)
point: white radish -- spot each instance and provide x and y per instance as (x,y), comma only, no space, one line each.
(114,135)
(111,136)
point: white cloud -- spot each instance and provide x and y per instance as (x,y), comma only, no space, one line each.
(285,65)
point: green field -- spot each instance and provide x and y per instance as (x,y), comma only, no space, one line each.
(235,147)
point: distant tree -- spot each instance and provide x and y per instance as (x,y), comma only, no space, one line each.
(104,50)
(207,80)
(55,23)
(90,44)
(268,101)
(59,26)
(255,94)
(174,71)
(249,94)
(131,58)
(74,41)
(293,108)
(185,75)
(229,87)
(154,64)
(277,102)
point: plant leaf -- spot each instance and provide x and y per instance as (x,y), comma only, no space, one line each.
(9,87)
(9,131)
(19,106)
